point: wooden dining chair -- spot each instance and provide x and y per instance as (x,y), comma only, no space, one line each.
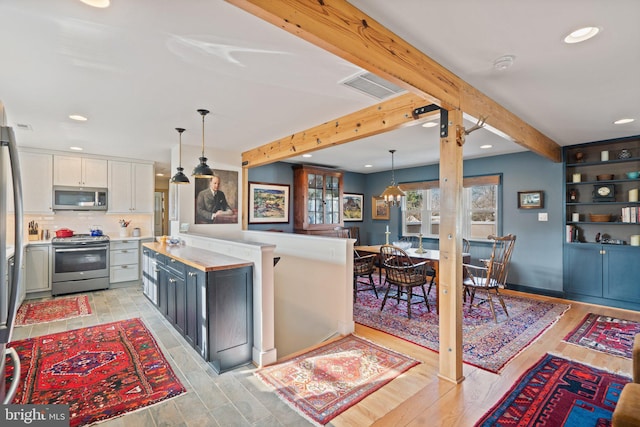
(363,268)
(403,275)
(493,274)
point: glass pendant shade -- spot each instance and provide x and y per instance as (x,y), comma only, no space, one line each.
(393,195)
(180,177)
(202,170)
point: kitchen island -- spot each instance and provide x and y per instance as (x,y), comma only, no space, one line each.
(206,296)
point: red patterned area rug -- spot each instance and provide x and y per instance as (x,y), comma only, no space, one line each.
(101,372)
(606,334)
(34,312)
(325,382)
(558,392)
(486,344)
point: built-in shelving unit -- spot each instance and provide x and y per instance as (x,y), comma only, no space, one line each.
(600,264)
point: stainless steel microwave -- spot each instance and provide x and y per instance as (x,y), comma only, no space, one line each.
(79,199)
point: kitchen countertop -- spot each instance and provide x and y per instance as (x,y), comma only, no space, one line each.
(201,259)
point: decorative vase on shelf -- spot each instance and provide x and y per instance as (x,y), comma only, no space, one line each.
(624,154)
(124,232)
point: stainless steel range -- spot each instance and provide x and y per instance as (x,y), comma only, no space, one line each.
(80,263)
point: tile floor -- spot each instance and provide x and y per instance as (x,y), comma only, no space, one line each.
(234,398)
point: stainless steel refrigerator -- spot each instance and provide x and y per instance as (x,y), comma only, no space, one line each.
(10,271)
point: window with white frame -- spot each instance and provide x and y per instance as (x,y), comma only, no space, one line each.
(480,201)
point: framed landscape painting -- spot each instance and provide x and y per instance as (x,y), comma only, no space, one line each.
(379,208)
(352,204)
(530,199)
(268,203)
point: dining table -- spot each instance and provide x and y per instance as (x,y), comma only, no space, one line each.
(417,255)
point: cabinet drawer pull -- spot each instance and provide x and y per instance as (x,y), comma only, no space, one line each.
(124,251)
(125,266)
(191,274)
(172,280)
(173,260)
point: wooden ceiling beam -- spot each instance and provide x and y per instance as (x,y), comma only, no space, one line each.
(388,115)
(340,28)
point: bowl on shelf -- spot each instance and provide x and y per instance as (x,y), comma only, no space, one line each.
(599,217)
(605,177)
(633,175)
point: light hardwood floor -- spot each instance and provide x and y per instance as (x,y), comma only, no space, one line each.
(420,398)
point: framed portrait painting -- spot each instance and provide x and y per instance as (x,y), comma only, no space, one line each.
(352,204)
(216,199)
(268,203)
(530,199)
(379,208)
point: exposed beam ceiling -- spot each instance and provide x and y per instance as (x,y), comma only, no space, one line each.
(344,30)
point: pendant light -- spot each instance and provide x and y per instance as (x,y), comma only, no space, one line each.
(393,194)
(180,177)
(202,170)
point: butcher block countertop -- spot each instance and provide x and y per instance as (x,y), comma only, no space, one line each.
(201,259)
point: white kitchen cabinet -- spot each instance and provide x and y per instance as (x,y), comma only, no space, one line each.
(131,187)
(124,261)
(80,171)
(37,188)
(37,275)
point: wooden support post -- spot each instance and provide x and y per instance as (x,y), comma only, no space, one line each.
(450,278)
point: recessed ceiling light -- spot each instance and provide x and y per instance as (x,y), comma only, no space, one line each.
(504,62)
(581,34)
(368,166)
(484,147)
(76,148)
(307,155)
(429,124)
(97,3)
(623,121)
(78,117)
(159,174)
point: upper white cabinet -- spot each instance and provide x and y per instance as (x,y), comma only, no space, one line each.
(80,171)
(37,182)
(131,187)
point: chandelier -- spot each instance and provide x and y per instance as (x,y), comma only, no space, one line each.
(393,194)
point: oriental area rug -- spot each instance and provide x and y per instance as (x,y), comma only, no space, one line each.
(101,372)
(558,392)
(34,312)
(606,334)
(487,344)
(325,382)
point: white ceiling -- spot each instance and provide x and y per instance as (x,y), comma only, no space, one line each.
(138,69)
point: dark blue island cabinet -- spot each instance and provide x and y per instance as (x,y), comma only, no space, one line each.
(602,222)
(207,297)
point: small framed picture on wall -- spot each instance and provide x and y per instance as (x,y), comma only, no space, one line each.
(379,208)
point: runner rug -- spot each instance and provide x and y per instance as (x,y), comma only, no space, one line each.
(101,372)
(486,344)
(325,382)
(606,334)
(558,392)
(34,312)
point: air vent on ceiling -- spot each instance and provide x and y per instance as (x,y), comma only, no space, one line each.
(23,126)
(372,85)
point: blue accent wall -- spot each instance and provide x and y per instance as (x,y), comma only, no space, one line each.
(537,257)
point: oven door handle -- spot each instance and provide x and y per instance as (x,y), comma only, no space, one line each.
(83,249)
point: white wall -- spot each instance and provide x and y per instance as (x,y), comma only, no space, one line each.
(313,288)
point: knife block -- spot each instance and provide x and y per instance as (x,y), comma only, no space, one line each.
(32,237)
